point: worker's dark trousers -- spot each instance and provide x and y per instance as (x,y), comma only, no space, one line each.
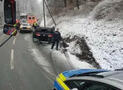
(53,44)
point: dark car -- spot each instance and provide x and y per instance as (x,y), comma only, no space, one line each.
(89,79)
(43,34)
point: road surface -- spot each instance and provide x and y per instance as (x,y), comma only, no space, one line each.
(28,66)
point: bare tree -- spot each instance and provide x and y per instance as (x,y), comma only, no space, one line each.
(65,3)
(77,3)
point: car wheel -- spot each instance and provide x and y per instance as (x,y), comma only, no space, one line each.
(49,42)
(35,40)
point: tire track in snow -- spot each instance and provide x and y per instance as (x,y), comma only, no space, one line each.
(39,58)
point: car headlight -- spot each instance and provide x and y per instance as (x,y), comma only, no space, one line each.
(21,27)
(28,26)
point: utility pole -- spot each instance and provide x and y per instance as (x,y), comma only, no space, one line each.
(44,13)
(49,12)
(18,9)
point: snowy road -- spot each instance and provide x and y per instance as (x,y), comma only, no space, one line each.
(25,65)
(18,71)
(28,66)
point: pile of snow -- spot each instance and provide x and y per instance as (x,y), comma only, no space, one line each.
(108,9)
(77,64)
(103,37)
(74,48)
(71,62)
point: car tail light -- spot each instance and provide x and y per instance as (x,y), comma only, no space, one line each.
(50,35)
(38,34)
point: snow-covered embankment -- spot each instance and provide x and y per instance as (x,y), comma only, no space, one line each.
(102,29)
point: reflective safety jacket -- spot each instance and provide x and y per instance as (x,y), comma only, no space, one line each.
(35,24)
(9,30)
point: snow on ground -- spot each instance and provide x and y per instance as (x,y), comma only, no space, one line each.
(58,59)
(104,37)
(102,28)
(77,64)
(69,61)
(74,48)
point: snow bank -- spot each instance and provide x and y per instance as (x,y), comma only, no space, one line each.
(77,64)
(102,27)
(68,62)
(104,37)
(108,9)
(74,48)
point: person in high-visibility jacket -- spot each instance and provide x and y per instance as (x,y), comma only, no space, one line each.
(17,24)
(35,25)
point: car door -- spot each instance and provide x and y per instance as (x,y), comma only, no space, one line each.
(88,85)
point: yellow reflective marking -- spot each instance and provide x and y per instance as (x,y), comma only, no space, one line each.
(14,32)
(62,84)
(62,77)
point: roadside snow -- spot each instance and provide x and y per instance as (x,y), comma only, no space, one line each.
(104,38)
(77,64)
(74,48)
(69,61)
(101,27)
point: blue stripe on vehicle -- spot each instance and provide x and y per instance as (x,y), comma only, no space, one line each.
(57,86)
(81,71)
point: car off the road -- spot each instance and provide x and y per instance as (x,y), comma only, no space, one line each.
(43,34)
(89,79)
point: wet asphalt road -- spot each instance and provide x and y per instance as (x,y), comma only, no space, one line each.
(19,69)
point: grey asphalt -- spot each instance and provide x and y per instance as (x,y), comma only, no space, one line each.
(18,69)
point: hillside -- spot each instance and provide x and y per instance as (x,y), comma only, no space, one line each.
(101,26)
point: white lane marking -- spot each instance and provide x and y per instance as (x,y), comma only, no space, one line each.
(12,59)
(14,41)
(18,34)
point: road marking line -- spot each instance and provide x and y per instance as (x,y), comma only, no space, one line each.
(18,34)
(14,41)
(12,59)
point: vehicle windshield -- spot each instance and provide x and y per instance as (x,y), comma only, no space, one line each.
(23,17)
(41,39)
(25,24)
(23,20)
